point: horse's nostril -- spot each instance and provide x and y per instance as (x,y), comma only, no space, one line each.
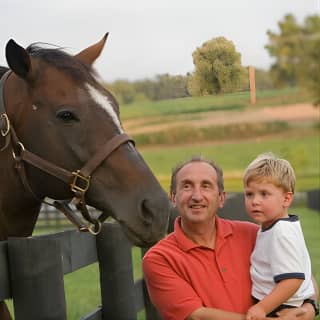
(147,213)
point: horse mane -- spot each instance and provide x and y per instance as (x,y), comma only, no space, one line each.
(63,61)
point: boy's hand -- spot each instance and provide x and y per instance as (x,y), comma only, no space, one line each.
(256,312)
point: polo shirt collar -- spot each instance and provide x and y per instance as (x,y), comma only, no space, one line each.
(224,229)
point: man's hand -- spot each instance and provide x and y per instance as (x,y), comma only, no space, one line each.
(295,314)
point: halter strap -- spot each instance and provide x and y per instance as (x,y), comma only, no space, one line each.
(4,120)
(78,180)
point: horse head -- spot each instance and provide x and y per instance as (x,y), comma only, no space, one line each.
(62,113)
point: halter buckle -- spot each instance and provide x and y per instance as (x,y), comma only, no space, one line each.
(20,150)
(95,227)
(6,129)
(80,182)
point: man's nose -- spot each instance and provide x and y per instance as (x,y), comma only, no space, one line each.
(196,194)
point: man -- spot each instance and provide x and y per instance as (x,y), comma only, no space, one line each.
(201,270)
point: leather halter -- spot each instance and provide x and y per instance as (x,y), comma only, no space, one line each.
(78,180)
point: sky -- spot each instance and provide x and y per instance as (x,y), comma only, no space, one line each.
(148,37)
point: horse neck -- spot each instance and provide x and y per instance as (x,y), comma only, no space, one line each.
(18,208)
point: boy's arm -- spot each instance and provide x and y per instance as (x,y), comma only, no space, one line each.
(282,291)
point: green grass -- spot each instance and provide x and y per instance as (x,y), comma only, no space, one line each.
(183,134)
(310,221)
(196,105)
(302,151)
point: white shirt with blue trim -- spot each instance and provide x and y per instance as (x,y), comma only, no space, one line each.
(281,253)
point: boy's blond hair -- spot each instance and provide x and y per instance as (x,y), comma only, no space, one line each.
(277,171)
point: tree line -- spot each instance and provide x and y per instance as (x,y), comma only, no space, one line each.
(218,69)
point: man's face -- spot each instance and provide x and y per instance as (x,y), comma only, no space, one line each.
(197,196)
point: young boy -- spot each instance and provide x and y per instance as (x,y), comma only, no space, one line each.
(280,263)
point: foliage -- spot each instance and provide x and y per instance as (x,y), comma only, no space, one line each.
(162,87)
(125,92)
(296,49)
(263,80)
(218,68)
(311,58)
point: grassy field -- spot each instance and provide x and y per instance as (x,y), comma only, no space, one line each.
(195,105)
(303,151)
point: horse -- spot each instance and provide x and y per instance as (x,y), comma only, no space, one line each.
(61,139)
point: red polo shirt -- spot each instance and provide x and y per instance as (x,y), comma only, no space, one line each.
(183,276)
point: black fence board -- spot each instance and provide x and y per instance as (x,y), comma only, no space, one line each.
(138,298)
(116,274)
(78,248)
(313,199)
(39,263)
(37,279)
(5,291)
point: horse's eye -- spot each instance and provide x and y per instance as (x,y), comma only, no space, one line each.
(67,116)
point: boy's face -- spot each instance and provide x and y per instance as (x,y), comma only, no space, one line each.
(265,202)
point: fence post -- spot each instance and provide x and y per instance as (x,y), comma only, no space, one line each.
(151,312)
(116,274)
(37,279)
(252,83)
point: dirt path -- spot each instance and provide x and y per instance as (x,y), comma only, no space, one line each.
(297,112)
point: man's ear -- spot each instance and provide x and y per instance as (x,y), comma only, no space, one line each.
(173,198)
(222,197)
(288,198)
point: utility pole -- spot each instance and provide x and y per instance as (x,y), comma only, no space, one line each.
(252,84)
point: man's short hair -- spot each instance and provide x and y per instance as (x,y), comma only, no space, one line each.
(196,158)
(268,166)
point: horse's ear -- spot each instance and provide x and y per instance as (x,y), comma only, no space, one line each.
(18,59)
(90,54)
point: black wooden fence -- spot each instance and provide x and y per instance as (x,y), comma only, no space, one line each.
(32,269)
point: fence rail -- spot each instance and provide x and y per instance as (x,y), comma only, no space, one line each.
(37,266)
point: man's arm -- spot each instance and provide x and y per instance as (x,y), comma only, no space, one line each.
(305,312)
(214,314)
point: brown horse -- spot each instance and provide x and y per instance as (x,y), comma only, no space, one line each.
(60,127)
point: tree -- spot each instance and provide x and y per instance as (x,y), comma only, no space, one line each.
(286,47)
(310,62)
(296,49)
(218,68)
(164,86)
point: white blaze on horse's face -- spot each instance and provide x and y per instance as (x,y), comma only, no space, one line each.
(105,104)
